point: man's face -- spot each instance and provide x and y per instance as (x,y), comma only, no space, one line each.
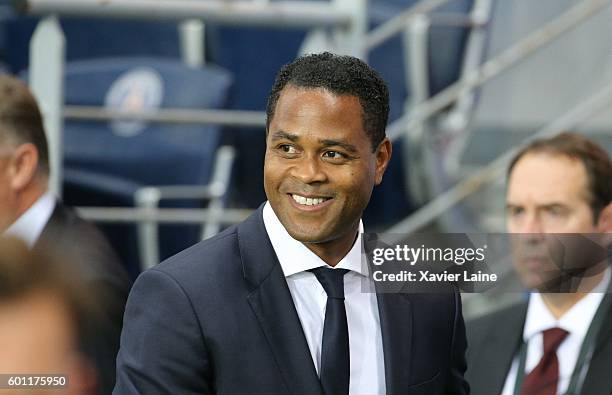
(43,349)
(34,347)
(20,183)
(547,194)
(319,166)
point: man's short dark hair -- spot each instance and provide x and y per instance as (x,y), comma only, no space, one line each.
(340,75)
(595,159)
(20,118)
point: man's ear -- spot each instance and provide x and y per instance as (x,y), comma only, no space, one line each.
(383,156)
(23,166)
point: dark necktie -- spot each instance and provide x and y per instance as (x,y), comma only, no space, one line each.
(335,359)
(542,380)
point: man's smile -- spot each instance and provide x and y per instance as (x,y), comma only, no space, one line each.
(309,203)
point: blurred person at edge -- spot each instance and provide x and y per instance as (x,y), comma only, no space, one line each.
(42,308)
(28,210)
(558,341)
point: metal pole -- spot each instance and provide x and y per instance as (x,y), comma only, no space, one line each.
(350,38)
(415,43)
(192,42)
(567,21)
(458,119)
(46,80)
(277,14)
(496,169)
(147,231)
(398,23)
(170,115)
(161,215)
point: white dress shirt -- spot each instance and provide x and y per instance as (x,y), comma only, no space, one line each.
(576,321)
(367,372)
(30,225)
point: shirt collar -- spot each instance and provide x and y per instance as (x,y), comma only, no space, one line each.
(295,257)
(576,320)
(30,224)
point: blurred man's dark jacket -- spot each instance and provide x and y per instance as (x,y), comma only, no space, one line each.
(82,245)
(494,340)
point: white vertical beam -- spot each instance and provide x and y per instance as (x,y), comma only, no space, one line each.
(459,117)
(147,198)
(350,39)
(192,42)
(47,51)
(415,43)
(415,40)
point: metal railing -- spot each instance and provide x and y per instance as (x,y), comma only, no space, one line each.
(412,123)
(508,58)
(342,15)
(161,215)
(398,23)
(235,118)
(250,13)
(496,169)
(347,17)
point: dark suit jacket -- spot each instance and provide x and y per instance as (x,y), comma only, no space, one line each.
(218,318)
(495,339)
(84,246)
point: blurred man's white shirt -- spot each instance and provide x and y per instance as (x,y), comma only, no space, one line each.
(576,321)
(30,225)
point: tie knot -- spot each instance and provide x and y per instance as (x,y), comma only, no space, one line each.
(332,281)
(553,338)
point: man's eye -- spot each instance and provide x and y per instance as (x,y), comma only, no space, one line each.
(334,155)
(514,211)
(288,149)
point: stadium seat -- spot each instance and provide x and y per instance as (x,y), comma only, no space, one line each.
(253,55)
(111,163)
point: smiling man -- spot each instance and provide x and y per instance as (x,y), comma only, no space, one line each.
(276,304)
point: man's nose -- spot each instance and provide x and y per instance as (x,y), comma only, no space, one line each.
(532,224)
(309,169)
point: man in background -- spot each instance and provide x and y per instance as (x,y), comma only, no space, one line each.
(556,342)
(28,210)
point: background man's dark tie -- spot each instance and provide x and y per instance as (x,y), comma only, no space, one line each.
(543,379)
(335,358)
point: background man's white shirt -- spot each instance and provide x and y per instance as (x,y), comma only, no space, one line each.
(576,321)
(30,225)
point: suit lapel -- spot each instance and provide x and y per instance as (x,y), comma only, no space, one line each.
(597,380)
(605,335)
(396,327)
(49,233)
(503,341)
(273,306)
(395,312)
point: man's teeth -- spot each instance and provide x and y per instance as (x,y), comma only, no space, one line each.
(308,201)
